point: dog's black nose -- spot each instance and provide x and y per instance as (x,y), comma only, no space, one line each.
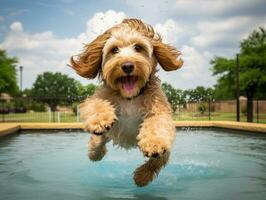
(127,67)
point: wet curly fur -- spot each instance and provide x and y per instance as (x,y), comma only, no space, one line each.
(129,108)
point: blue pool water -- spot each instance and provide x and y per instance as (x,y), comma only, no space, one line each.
(205,164)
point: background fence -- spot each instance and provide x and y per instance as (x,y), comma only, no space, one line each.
(28,109)
(220,110)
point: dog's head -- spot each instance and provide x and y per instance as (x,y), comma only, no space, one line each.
(125,57)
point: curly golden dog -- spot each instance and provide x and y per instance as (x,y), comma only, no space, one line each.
(130,107)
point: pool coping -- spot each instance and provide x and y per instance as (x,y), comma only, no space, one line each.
(10,128)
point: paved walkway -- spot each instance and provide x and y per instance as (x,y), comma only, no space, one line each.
(9,128)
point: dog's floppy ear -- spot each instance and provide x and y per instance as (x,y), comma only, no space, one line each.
(88,63)
(167,56)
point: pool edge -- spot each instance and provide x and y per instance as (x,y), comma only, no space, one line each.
(10,128)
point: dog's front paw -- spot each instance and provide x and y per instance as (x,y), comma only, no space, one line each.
(154,146)
(98,116)
(100,123)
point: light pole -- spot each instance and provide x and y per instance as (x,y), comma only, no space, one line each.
(20,71)
(237,89)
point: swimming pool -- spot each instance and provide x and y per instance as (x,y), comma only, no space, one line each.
(204,164)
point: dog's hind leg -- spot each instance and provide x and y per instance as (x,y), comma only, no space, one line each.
(97,148)
(144,174)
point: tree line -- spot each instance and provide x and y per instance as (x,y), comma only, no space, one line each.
(179,98)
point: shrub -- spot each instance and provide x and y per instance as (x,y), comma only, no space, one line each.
(202,108)
(37,106)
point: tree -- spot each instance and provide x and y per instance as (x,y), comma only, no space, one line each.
(87,90)
(8,79)
(200,93)
(202,108)
(252,69)
(55,88)
(174,96)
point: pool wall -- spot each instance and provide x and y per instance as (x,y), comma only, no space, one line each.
(10,128)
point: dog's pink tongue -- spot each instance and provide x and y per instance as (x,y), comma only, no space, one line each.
(129,83)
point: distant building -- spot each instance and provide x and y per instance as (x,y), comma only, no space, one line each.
(5,97)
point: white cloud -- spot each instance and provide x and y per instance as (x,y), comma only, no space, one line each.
(223,32)
(194,72)
(16,27)
(39,52)
(99,23)
(196,64)
(169,31)
(102,21)
(225,25)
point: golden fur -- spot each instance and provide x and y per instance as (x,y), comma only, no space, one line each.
(130,108)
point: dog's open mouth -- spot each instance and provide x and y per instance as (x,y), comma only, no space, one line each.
(128,82)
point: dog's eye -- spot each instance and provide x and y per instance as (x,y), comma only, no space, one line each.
(115,50)
(137,47)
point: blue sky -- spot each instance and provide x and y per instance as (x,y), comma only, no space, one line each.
(44,34)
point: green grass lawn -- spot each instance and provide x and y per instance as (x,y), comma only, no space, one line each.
(39,117)
(215,116)
(70,117)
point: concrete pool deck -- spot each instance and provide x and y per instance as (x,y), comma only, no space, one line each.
(10,128)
